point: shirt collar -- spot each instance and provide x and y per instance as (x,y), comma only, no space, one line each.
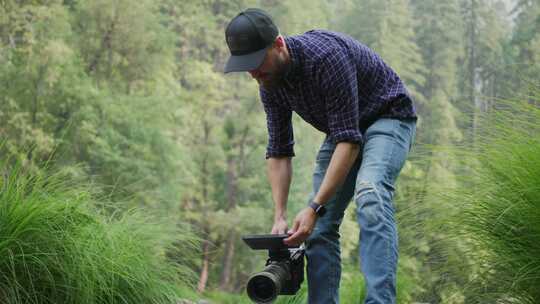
(295,54)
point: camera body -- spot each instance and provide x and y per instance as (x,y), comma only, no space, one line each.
(284,270)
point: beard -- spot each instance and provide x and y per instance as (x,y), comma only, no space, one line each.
(275,78)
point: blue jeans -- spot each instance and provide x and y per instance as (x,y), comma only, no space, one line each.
(371,181)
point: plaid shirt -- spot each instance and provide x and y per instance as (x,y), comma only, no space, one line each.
(336,84)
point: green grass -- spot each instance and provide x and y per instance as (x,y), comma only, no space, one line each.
(499,199)
(55,247)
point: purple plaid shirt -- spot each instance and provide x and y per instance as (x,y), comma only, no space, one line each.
(337,85)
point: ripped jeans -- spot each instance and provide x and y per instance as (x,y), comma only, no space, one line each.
(371,182)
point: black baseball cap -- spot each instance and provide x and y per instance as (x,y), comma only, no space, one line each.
(249,35)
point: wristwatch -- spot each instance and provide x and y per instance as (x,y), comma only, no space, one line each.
(319,209)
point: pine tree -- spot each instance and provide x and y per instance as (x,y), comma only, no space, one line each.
(482,58)
(526,46)
(438,31)
(388,28)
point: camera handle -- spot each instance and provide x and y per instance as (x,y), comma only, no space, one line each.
(277,255)
(284,254)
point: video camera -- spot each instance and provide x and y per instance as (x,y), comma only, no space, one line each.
(284,270)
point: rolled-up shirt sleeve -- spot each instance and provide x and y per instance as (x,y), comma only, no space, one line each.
(337,75)
(280,128)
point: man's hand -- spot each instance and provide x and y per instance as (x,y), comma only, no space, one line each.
(303,225)
(280,226)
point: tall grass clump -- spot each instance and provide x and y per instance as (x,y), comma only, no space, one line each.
(499,198)
(56,247)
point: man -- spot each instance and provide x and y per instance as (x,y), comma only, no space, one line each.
(345,90)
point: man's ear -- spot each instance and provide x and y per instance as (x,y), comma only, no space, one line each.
(279,42)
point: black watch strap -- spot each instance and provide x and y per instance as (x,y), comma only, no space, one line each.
(319,209)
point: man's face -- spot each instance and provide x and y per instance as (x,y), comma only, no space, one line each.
(272,71)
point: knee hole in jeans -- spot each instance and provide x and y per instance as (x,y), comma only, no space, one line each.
(369,204)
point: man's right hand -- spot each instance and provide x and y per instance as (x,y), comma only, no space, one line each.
(280,226)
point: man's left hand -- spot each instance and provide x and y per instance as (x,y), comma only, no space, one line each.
(303,225)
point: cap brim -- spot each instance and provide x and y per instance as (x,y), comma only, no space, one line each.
(245,63)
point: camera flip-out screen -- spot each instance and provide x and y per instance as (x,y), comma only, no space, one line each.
(266,241)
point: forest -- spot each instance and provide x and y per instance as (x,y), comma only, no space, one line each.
(131,165)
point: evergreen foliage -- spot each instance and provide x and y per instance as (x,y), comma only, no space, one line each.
(130,97)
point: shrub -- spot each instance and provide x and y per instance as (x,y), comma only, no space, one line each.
(500,214)
(56,247)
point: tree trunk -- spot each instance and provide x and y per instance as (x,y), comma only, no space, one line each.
(235,169)
(228,258)
(477,103)
(106,44)
(232,184)
(35,104)
(203,276)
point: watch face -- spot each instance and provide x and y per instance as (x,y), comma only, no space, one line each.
(320,210)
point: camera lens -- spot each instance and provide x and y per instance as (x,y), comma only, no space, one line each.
(262,289)
(265,286)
